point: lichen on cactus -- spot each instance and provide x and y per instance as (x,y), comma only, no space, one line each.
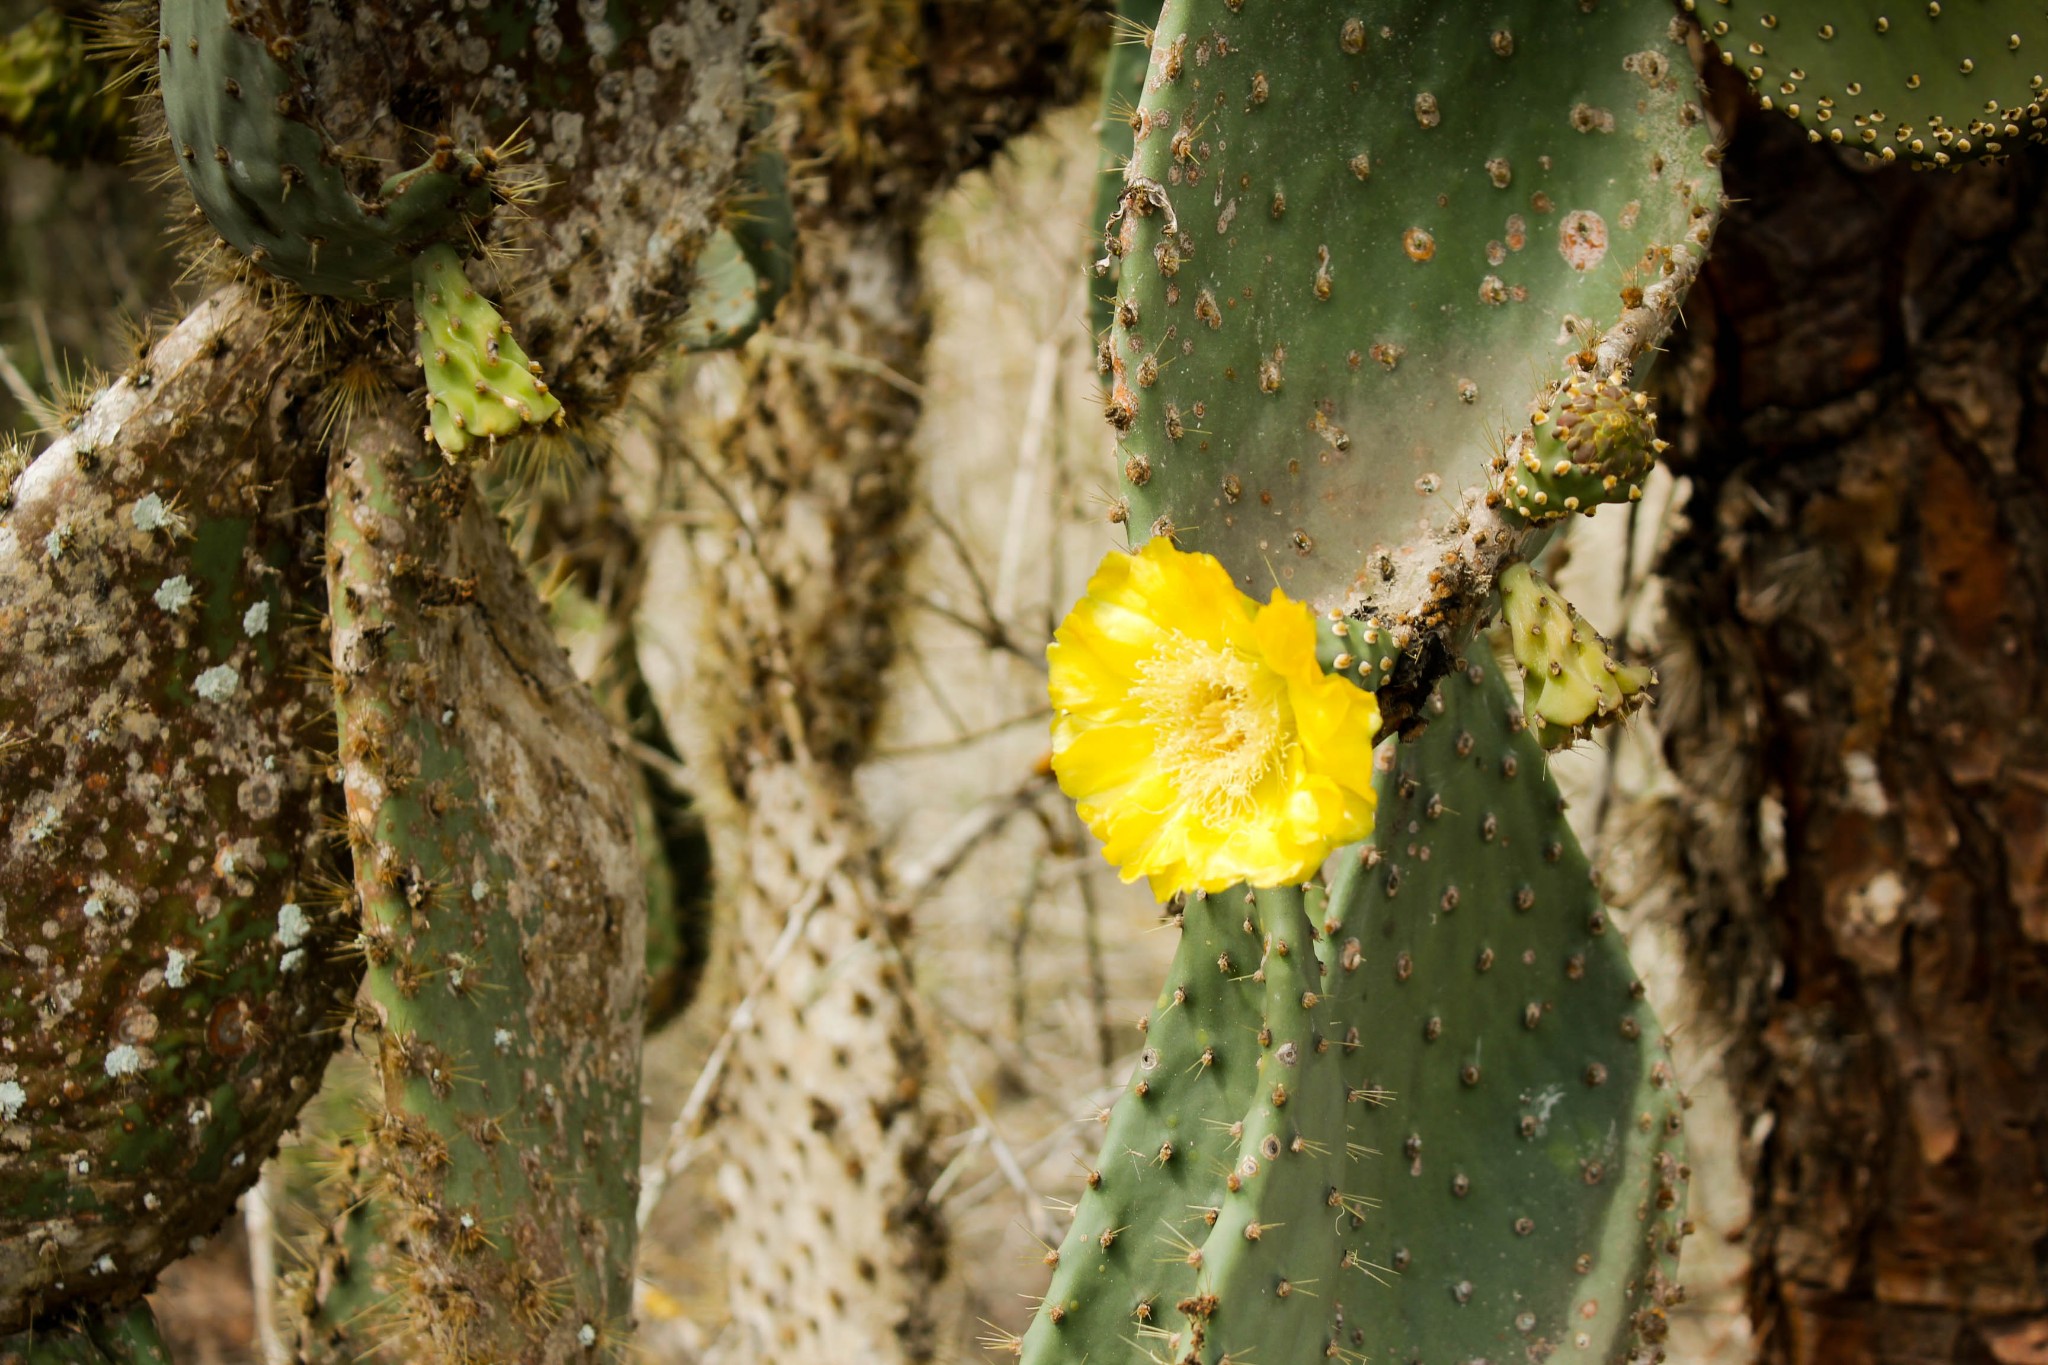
(273,183)
(1349,245)
(480,385)
(168,916)
(1934,84)
(1529,1177)
(1571,679)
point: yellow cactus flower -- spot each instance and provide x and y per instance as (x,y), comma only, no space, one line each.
(1197,734)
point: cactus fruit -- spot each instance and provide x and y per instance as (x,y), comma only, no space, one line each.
(480,385)
(1529,1181)
(1593,442)
(491,824)
(1345,244)
(164,931)
(1571,681)
(1939,84)
(273,183)
(54,98)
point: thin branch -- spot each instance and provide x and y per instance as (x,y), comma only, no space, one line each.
(920,878)
(946,746)
(1024,477)
(1006,1160)
(799,349)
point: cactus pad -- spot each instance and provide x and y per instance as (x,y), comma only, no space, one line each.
(167,913)
(480,385)
(1529,1177)
(1571,680)
(1942,84)
(273,183)
(1592,443)
(1349,247)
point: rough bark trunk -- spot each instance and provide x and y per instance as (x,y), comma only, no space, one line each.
(1859,719)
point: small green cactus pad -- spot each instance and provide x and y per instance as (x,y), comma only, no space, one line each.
(1133,1250)
(1352,240)
(1941,84)
(272,183)
(1571,680)
(502,922)
(480,385)
(749,263)
(168,916)
(1529,1183)
(1364,649)
(54,99)
(1591,443)
(127,1336)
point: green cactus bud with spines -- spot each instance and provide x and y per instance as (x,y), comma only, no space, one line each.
(272,182)
(1348,247)
(1530,1178)
(55,100)
(172,958)
(502,922)
(480,384)
(1571,679)
(1365,649)
(1934,84)
(1133,1251)
(1591,443)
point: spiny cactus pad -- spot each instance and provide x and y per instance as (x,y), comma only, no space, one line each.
(167,911)
(1529,1180)
(749,263)
(1353,242)
(1942,84)
(1590,443)
(271,181)
(502,922)
(1571,679)
(480,385)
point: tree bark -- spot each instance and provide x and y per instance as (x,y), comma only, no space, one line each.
(1858,716)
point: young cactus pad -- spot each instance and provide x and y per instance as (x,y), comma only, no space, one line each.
(1942,84)
(270,180)
(1529,1180)
(480,385)
(1353,243)
(1571,680)
(1592,443)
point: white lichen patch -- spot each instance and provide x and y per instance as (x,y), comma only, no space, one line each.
(175,963)
(291,924)
(292,961)
(125,1059)
(174,594)
(150,513)
(256,620)
(13,1099)
(217,683)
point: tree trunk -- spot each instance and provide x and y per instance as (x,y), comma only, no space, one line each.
(1858,716)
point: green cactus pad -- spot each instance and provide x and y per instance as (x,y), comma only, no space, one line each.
(1126,1261)
(273,184)
(1571,680)
(169,918)
(1352,245)
(1941,84)
(480,385)
(748,264)
(1123,86)
(1592,443)
(491,823)
(1529,1179)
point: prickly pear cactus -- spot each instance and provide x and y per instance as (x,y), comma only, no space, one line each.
(1943,84)
(1528,1182)
(749,263)
(1591,443)
(167,917)
(273,182)
(1356,246)
(502,922)
(480,385)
